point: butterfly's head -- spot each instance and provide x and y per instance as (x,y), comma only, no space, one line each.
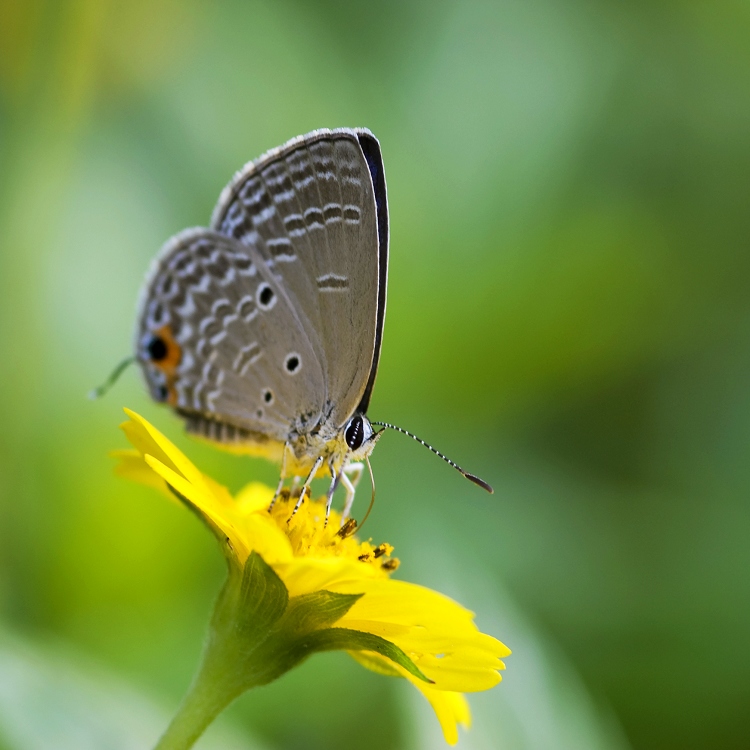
(360,437)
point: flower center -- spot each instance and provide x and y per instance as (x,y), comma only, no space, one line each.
(310,537)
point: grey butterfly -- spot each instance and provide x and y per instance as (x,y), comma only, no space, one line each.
(263,331)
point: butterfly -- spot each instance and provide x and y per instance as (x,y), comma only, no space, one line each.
(263,331)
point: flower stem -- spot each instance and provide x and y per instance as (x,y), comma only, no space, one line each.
(252,600)
(207,698)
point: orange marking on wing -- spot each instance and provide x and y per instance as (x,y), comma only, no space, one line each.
(168,365)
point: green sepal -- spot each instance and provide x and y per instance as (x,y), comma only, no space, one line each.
(343,639)
(317,610)
(251,603)
(371,662)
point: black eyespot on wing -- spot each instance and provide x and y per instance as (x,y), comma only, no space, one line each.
(265,296)
(268,396)
(157,349)
(292,363)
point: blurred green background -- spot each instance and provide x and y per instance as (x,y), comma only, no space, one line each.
(568,316)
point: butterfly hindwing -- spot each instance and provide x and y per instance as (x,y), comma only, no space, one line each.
(218,339)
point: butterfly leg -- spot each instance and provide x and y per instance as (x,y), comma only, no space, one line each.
(306,485)
(355,470)
(281,479)
(335,479)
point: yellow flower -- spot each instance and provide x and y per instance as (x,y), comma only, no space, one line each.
(414,632)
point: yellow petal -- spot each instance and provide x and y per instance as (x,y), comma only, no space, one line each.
(438,634)
(149,441)
(140,439)
(253,497)
(457,666)
(410,604)
(261,534)
(459,679)
(130,465)
(451,710)
(205,503)
(303,575)
(219,491)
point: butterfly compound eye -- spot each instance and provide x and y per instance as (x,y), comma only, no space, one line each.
(354,434)
(357,432)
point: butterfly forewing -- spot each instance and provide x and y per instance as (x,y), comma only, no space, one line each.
(219,340)
(310,209)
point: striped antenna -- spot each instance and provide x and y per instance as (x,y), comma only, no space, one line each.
(112,379)
(470,477)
